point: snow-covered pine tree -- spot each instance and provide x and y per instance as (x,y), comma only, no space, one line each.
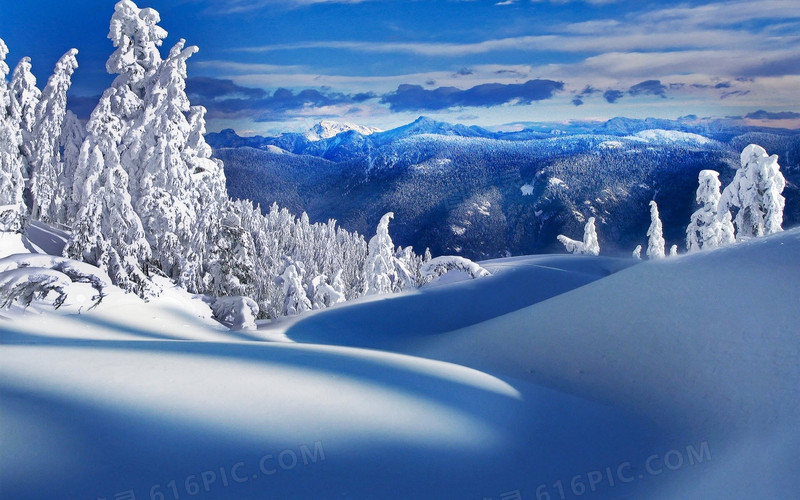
(136,35)
(324,294)
(673,250)
(100,181)
(407,264)
(230,265)
(589,246)
(709,226)
(72,136)
(24,98)
(380,271)
(45,161)
(655,234)
(755,194)
(637,252)
(12,165)
(291,281)
(101,171)
(162,190)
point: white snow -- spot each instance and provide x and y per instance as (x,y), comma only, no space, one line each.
(275,149)
(527,189)
(661,136)
(554,367)
(610,145)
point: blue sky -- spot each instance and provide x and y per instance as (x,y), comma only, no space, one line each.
(267,66)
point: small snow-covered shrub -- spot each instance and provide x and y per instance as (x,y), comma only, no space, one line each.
(434,268)
(25,278)
(237,313)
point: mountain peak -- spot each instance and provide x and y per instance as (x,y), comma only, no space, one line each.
(327,128)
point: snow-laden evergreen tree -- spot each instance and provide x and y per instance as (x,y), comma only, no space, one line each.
(637,252)
(137,37)
(45,160)
(162,185)
(12,165)
(655,234)
(291,280)
(230,265)
(755,194)
(100,190)
(380,270)
(323,294)
(407,264)
(589,246)
(24,98)
(72,136)
(709,227)
(100,171)
(673,250)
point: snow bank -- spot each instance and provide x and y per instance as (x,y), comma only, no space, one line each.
(674,378)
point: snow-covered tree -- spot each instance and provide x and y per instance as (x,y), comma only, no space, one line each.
(136,35)
(161,190)
(100,190)
(12,164)
(589,245)
(637,252)
(45,159)
(655,234)
(755,194)
(24,98)
(324,294)
(230,264)
(673,250)
(709,227)
(380,270)
(101,171)
(73,134)
(407,265)
(291,280)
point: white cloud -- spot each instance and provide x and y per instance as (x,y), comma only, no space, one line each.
(223,7)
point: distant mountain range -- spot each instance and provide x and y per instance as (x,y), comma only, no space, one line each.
(470,191)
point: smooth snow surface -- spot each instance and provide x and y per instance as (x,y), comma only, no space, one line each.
(674,378)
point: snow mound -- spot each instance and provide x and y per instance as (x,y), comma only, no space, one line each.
(327,129)
(439,266)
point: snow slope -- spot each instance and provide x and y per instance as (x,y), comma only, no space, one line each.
(559,374)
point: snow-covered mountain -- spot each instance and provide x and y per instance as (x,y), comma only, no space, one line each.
(459,189)
(326,129)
